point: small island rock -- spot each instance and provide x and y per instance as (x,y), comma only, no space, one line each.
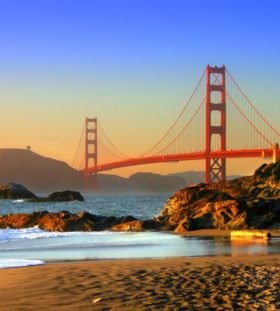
(15,191)
(61,196)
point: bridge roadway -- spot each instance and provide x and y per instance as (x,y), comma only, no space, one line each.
(229,154)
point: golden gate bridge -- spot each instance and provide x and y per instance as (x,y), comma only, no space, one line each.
(218,122)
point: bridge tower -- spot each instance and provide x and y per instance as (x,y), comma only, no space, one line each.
(90,145)
(215,104)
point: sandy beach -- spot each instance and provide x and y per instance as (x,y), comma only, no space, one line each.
(210,283)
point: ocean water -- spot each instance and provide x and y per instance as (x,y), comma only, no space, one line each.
(141,206)
(33,246)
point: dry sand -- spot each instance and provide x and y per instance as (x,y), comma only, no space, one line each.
(211,283)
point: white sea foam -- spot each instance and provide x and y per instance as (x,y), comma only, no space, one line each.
(15,263)
(97,238)
(36,233)
(36,239)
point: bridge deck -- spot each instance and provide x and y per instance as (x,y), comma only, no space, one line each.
(229,154)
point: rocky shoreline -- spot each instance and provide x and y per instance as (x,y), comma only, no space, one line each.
(62,221)
(244,203)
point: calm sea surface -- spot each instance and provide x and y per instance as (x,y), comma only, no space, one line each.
(141,206)
(34,246)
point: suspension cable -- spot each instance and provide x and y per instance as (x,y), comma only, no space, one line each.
(252,105)
(79,144)
(113,145)
(247,119)
(109,151)
(175,122)
(186,125)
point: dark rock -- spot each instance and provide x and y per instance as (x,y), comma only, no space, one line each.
(66,195)
(152,224)
(61,196)
(135,225)
(138,225)
(15,191)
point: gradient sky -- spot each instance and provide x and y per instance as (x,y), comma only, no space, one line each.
(132,64)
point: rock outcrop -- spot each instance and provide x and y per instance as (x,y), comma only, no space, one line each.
(243,203)
(15,191)
(83,221)
(62,221)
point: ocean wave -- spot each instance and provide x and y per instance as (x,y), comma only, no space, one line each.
(35,233)
(15,263)
(36,239)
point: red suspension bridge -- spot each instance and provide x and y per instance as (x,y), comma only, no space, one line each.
(218,122)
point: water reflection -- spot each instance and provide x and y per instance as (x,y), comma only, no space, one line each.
(249,246)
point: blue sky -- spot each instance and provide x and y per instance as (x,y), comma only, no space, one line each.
(123,61)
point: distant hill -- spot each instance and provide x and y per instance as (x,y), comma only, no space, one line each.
(190,177)
(42,174)
(195,177)
(36,172)
(159,183)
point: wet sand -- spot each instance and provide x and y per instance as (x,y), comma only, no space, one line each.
(211,283)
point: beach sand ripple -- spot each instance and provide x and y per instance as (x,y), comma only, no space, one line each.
(213,283)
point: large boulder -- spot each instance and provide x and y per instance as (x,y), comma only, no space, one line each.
(15,191)
(243,203)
